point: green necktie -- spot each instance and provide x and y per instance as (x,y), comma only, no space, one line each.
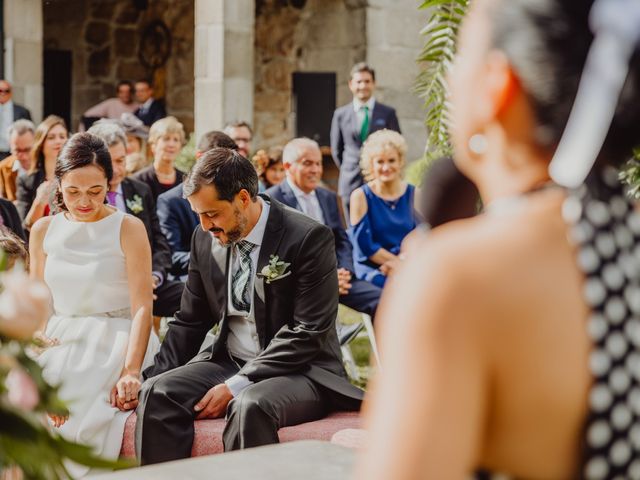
(364,129)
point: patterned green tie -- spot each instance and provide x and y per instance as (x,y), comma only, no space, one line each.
(364,130)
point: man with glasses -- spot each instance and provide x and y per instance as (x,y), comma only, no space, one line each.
(9,113)
(241,133)
(21,138)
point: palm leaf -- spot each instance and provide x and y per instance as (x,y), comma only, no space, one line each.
(437,55)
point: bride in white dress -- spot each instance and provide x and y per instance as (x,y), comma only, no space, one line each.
(96,262)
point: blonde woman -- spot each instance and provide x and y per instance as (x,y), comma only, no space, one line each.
(166,139)
(381,211)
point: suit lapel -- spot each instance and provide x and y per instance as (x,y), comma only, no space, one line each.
(288,197)
(270,242)
(355,128)
(127,193)
(375,116)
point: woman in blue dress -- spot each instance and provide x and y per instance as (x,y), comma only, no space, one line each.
(381,211)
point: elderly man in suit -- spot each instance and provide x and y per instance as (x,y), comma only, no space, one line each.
(9,113)
(352,124)
(21,139)
(150,109)
(134,197)
(177,220)
(301,190)
(266,275)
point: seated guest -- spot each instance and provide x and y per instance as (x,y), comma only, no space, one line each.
(21,140)
(241,133)
(36,188)
(177,220)
(10,219)
(134,162)
(134,197)
(9,112)
(13,247)
(150,110)
(136,132)
(381,211)
(112,107)
(303,163)
(276,361)
(269,167)
(512,341)
(166,139)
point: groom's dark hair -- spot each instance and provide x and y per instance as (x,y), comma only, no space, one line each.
(226,170)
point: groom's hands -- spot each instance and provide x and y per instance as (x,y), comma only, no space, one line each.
(124,395)
(214,403)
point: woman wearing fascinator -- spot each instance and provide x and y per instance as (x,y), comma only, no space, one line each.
(511,341)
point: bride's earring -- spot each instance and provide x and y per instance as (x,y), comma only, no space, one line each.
(478,144)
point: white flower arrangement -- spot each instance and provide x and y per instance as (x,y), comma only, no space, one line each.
(275,270)
(135,204)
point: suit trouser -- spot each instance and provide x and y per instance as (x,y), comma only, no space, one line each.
(363,297)
(164,428)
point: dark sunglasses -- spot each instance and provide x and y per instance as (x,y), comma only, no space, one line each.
(5,90)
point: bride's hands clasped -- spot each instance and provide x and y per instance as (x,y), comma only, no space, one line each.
(124,395)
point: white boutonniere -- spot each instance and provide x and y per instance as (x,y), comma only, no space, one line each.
(276,269)
(135,204)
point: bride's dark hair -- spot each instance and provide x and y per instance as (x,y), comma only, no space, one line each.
(546,42)
(82,150)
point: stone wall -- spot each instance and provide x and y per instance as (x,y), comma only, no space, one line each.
(330,36)
(319,36)
(393,44)
(103,36)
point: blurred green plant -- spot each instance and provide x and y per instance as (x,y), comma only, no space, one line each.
(436,57)
(26,398)
(187,156)
(630,174)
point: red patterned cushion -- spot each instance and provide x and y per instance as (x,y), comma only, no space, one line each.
(208,434)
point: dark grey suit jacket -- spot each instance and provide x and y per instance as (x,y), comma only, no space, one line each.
(20,112)
(295,315)
(346,144)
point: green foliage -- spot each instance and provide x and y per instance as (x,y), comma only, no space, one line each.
(437,56)
(25,440)
(187,156)
(630,174)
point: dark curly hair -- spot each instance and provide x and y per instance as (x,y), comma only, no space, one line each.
(547,42)
(82,150)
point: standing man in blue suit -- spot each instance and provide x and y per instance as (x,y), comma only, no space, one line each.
(352,124)
(302,161)
(177,220)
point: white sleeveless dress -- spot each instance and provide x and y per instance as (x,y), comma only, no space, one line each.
(86,273)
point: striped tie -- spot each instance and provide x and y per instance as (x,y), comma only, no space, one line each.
(240,296)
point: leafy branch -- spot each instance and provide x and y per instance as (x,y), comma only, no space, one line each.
(437,56)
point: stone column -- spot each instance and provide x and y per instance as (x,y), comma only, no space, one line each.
(23,53)
(223,63)
(393,44)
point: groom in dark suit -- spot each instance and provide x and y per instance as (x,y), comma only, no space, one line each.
(352,124)
(302,161)
(266,275)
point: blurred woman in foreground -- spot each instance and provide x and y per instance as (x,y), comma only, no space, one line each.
(510,340)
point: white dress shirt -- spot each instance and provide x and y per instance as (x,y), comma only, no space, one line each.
(357,107)
(243,341)
(308,202)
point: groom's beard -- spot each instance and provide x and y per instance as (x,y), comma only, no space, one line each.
(234,234)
